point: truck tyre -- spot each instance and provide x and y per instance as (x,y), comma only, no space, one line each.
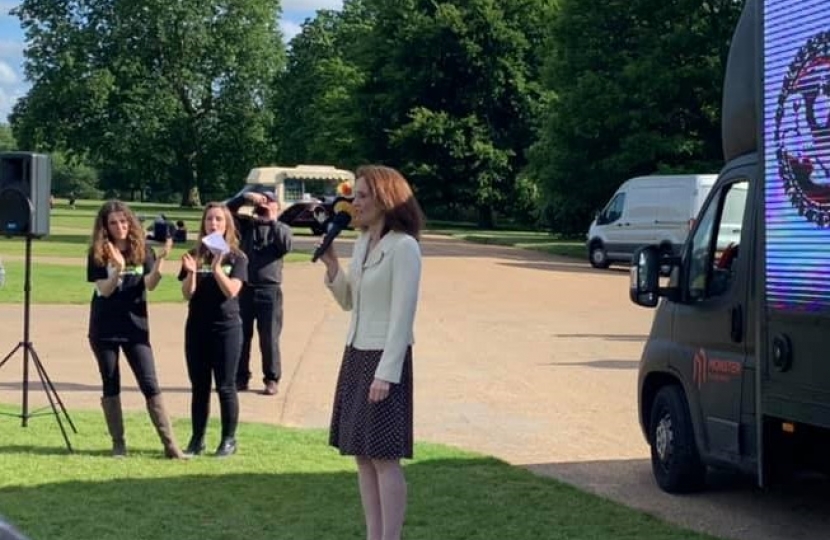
(597,256)
(675,460)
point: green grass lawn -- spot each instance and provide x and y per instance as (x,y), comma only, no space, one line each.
(535,240)
(70,230)
(67,284)
(284,483)
(83,215)
(59,281)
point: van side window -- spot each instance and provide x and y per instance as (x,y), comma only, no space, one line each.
(715,246)
(614,210)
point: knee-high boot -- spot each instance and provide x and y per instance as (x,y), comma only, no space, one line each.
(115,424)
(158,414)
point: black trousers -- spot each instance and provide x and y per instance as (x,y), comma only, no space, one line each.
(213,352)
(139,357)
(263,304)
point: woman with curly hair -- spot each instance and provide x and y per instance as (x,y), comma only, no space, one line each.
(123,269)
(213,331)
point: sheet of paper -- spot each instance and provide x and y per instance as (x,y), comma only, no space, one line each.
(216,243)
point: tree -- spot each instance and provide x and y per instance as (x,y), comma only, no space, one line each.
(71,176)
(7,142)
(317,119)
(167,94)
(452,95)
(637,87)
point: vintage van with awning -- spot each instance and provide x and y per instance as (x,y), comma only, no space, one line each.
(305,192)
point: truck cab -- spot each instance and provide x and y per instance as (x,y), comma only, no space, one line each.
(698,366)
(733,373)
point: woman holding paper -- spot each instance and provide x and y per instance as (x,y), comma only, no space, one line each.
(123,269)
(212,275)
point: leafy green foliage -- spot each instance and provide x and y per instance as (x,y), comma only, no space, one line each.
(72,176)
(452,94)
(156,94)
(637,87)
(7,141)
(317,120)
(522,111)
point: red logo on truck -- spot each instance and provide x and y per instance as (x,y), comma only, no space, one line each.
(705,369)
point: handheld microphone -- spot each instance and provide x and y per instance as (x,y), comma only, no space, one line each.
(343,212)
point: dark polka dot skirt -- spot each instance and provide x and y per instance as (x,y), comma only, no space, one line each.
(376,430)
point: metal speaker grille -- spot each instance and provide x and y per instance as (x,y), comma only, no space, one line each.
(15,212)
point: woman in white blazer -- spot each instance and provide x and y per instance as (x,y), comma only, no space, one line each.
(372,411)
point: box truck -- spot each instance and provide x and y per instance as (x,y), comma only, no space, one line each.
(646,210)
(736,372)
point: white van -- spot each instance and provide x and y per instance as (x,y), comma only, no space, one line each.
(647,210)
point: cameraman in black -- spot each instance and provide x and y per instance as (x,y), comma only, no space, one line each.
(265,240)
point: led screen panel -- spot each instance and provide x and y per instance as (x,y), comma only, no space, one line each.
(797,153)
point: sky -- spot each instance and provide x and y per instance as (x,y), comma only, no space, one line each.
(13,85)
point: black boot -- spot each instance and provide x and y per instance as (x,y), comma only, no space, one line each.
(195,447)
(227,447)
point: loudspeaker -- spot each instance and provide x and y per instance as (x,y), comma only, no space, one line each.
(25,189)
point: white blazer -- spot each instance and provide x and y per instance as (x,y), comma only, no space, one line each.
(381,290)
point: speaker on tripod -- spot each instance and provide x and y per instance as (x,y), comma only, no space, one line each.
(25,189)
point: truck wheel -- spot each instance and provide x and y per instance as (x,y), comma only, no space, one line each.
(675,460)
(598,257)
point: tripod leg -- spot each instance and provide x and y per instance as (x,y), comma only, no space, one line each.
(48,389)
(8,356)
(45,376)
(24,414)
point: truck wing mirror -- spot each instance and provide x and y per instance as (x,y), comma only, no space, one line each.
(645,276)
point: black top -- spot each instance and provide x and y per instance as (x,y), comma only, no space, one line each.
(121,316)
(265,243)
(209,306)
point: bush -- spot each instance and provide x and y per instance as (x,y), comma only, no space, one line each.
(72,176)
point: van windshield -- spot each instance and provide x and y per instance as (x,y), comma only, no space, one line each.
(613,210)
(297,189)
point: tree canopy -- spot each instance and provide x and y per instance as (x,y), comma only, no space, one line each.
(521,110)
(637,87)
(173,96)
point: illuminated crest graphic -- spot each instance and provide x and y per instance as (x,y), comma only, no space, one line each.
(802,131)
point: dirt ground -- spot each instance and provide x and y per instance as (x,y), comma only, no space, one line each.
(519,355)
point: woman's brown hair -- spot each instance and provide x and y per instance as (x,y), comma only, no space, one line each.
(394,195)
(201,252)
(136,249)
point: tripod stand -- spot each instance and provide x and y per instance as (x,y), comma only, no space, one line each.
(29,352)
